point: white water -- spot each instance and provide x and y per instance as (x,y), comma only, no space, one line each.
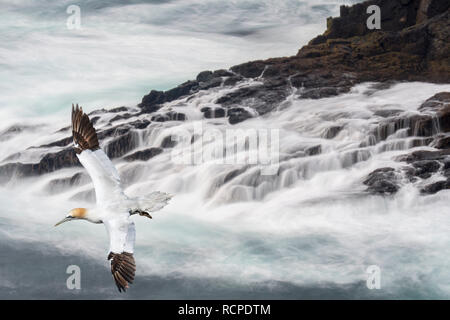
(311,226)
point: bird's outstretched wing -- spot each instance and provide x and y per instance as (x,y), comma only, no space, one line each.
(121,238)
(104,175)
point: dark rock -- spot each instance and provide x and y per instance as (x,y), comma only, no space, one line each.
(441,142)
(151,102)
(425,168)
(236,115)
(440,105)
(232,80)
(182,90)
(213,112)
(436,187)
(382,181)
(213,83)
(121,145)
(250,69)
(168,142)
(169,116)
(424,155)
(205,76)
(222,73)
(50,162)
(332,132)
(118,109)
(262,99)
(144,155)
(139,124)
(387,113)
(319,93)
(312,151)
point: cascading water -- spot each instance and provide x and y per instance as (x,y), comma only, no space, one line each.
(308,230)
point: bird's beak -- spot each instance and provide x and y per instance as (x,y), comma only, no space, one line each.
(63,220)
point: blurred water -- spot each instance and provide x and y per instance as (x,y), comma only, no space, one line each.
(308,232)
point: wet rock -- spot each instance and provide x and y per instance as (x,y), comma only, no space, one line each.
(167,142)
(425,168)
(312,151)
(236,115)
(205,76)
(319,93)
(50,162)
(222,73)
(169,116)
(424,155)
(332,132)
(144,155)
(250,69)
(441,142)
(232,80)
(140,124)
(182,90)
(382,181)
(262,98)
(387,113)
(152,102)
(213,83)
(118,109)
(440,104)
(210,113)
(121,145)
(436,187)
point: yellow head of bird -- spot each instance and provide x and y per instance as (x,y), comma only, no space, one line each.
(77,213)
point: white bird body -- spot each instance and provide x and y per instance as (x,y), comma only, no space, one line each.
(113,207)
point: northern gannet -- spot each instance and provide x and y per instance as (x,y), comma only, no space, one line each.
(113,208)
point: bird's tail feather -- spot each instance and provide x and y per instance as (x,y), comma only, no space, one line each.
(154,201)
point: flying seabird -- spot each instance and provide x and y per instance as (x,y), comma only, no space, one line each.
(113,208)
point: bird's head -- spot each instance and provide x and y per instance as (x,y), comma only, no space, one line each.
(78,213)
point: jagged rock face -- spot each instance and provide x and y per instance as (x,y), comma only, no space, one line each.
(411,45)
(421,164)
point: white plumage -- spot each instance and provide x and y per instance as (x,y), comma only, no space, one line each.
(113,207)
